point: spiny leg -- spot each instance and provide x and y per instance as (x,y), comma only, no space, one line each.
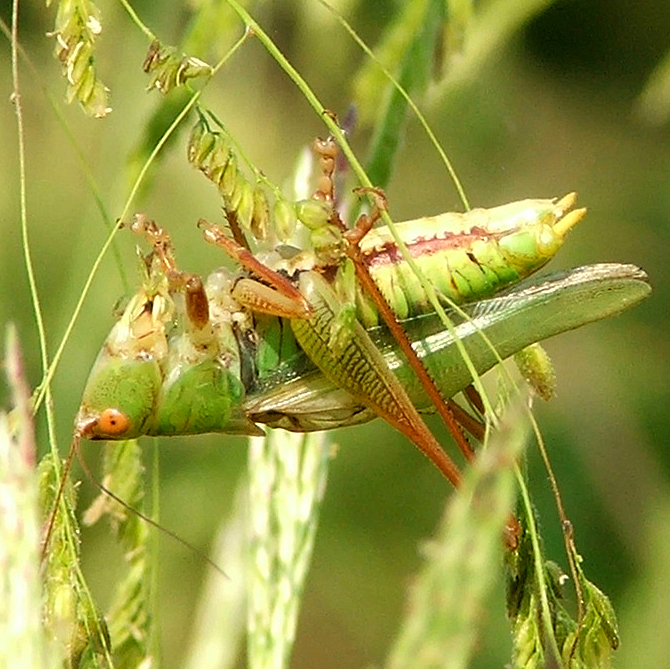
(327,151)
(354,236)
(356,365)
(274,294)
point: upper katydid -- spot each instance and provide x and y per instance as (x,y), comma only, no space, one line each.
(187,357)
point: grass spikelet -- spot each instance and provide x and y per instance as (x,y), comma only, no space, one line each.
(285,219)
(544,632)
(129,618)
(535,366)
(76,28)
(246,205)
(591,643)
(287,480)
(170,69)
(462,561)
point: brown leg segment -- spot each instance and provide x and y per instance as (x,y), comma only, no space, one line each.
(327,150)
(276,295)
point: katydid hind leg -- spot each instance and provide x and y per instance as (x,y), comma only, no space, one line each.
(353,237)
(361,370)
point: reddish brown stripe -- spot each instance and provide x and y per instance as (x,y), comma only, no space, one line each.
(389,253)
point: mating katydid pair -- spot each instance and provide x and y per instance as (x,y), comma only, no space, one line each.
(297,342)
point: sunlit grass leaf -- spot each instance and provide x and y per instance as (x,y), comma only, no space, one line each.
(23,644)
(287,475)
(459,14)
(397,39)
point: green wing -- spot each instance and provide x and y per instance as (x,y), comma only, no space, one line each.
(299,398)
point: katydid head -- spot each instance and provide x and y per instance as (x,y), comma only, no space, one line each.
(120,398)
(122,390)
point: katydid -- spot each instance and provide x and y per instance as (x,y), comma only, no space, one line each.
(189,357)
(484,250)
(227,372)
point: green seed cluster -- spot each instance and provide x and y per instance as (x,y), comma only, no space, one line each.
(70,617)
(583,643)
(76,29)
(244,203)
(170,69)
(129,616)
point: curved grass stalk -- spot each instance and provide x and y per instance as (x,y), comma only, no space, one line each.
(68,524)
(23,205)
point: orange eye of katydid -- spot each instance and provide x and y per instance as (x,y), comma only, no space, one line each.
(113,422)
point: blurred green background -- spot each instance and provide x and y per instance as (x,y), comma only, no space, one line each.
(553,109)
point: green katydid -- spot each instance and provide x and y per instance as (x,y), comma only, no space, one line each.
(200,376)
(217,370)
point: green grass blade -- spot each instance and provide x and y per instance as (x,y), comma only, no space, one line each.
(463,560)
(414,73)
(287,475)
